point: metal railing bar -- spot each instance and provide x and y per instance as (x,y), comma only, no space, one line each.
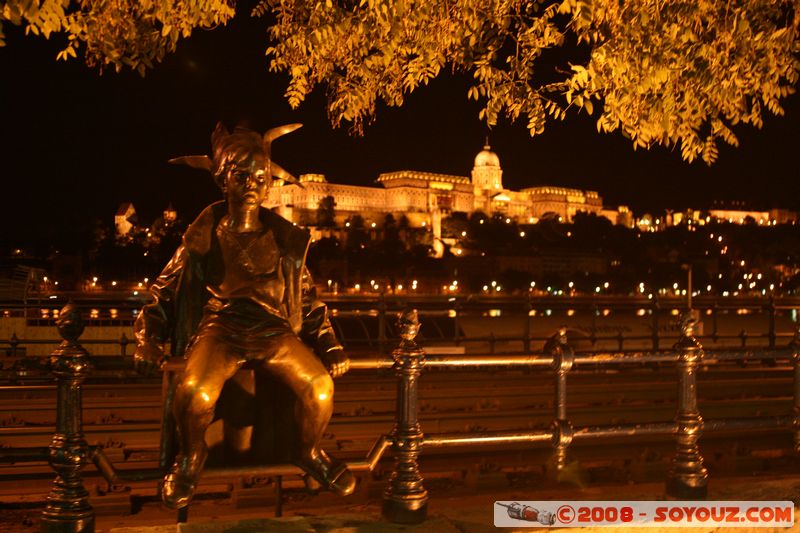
(371,364)
(625,357)
(498,437)
(495,360)
(599,432)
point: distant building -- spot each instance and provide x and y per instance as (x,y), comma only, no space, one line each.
(170,215)
(125,219)
(424,197)
(562,203)
(735,214)
(622,216)
(770,217)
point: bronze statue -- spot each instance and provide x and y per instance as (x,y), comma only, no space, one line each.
(237,294)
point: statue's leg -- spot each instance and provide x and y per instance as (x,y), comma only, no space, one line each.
(295,364)
(210,363)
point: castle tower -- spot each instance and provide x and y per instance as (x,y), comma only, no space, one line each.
(486,173)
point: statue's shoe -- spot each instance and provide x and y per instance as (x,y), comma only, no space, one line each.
(312,484)
(177,489)
(329,473)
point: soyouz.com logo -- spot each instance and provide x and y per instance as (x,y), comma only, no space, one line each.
(644,513)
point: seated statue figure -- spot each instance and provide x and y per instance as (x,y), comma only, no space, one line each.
(235,295)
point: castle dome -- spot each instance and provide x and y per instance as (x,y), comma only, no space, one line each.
(487,158)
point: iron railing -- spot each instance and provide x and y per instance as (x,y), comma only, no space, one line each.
(365,323)
(405,497)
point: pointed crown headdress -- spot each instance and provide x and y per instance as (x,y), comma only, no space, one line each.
(230,148)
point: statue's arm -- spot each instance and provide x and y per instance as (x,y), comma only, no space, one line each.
(318,332)
(155,322)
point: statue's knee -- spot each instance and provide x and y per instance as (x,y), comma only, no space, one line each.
(195,398)
(320,389)
(202,402)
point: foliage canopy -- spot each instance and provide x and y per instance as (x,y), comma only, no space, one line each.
(669,72)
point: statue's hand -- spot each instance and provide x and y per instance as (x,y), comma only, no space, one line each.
(336,362)
(147,358)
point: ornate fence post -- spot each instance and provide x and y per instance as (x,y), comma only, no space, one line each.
(456,322)
(656,326)
(771,311)
(405,500)
(526,334)
(688,478)
(123,344)
(563,359)
(715,323)
(794,345)
(68,508)
(382,323)
(13,342)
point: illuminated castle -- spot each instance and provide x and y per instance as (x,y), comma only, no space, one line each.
(424,197)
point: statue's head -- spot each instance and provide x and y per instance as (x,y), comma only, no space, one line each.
(241,166)
(243,151)
(239,154)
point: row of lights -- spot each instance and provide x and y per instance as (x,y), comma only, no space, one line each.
(141,285)
(375,286)
(494,286)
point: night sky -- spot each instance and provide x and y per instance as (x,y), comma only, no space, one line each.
(76,143)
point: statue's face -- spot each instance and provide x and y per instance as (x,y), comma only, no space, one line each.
(247,182)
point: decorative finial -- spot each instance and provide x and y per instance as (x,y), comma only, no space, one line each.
(409,325)
(558,346)
(562,334)
(688,324)
(486,144)
(70,323)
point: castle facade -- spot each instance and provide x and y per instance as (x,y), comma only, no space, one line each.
(424,197)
